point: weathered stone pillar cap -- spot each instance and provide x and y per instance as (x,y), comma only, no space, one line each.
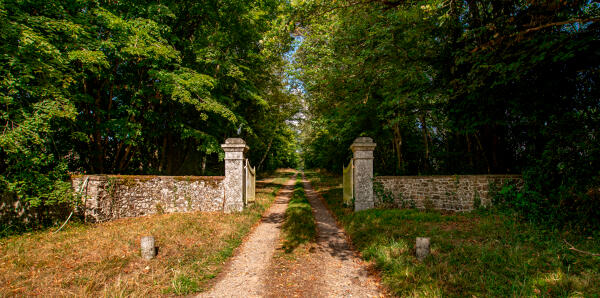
(363,144)
(235,141)
(234,145)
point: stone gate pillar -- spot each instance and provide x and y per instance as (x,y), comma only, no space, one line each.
(234,182)
(363,173)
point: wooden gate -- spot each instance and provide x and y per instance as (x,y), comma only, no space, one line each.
(348,183)
(250,183)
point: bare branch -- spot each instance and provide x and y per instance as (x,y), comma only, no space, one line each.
(580,251)
(521,34)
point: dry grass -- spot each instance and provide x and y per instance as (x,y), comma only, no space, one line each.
(104,259)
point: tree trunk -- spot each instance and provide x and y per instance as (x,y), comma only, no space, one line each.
(495,140)
(398,146)
(184,157)
(125,159)
(98,134)
(487,162)
(163,155)
(425,142)
(170,155)
(469,150)
(265,155)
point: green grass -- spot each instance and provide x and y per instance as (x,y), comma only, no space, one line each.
(279,173)
(299,225)
(482,253)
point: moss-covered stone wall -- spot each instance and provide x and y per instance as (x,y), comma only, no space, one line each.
(456,193)
(108,197)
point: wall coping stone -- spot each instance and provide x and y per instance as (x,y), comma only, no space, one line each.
(96,177)
(452,176)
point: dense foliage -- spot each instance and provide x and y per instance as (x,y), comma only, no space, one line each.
(442,86)
(129,87)
(461,87)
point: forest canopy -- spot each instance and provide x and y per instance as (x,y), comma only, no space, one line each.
(442,86)
(460,87)
(130,87)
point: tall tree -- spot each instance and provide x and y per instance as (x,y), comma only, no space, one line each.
(138,87)
(454,87)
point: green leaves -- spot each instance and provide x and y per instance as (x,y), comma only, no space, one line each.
(448,87)
(137,87)
(93,61)
(368,70)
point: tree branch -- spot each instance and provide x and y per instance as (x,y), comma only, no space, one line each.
(580,251)
(521,34)
(389,3)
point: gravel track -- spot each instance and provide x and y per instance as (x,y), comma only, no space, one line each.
(245,276)
(343,272)
(327,268)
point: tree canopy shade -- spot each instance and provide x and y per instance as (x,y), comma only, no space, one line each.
(444,87)
(132,87)
(453,87)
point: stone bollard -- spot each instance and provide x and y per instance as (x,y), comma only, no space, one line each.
(148,248)
(422,248)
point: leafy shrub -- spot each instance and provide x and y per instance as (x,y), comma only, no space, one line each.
(385,197)
(560,205)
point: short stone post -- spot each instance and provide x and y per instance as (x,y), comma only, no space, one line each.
(148,247)
(235,181)
(363,148)
(422,248)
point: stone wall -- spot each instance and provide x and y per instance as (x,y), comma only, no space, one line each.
(456,193)
(108,197)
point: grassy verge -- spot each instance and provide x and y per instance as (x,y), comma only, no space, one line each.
(281,173)
(482,253)
(292,269)
(104,259)
(299,225)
